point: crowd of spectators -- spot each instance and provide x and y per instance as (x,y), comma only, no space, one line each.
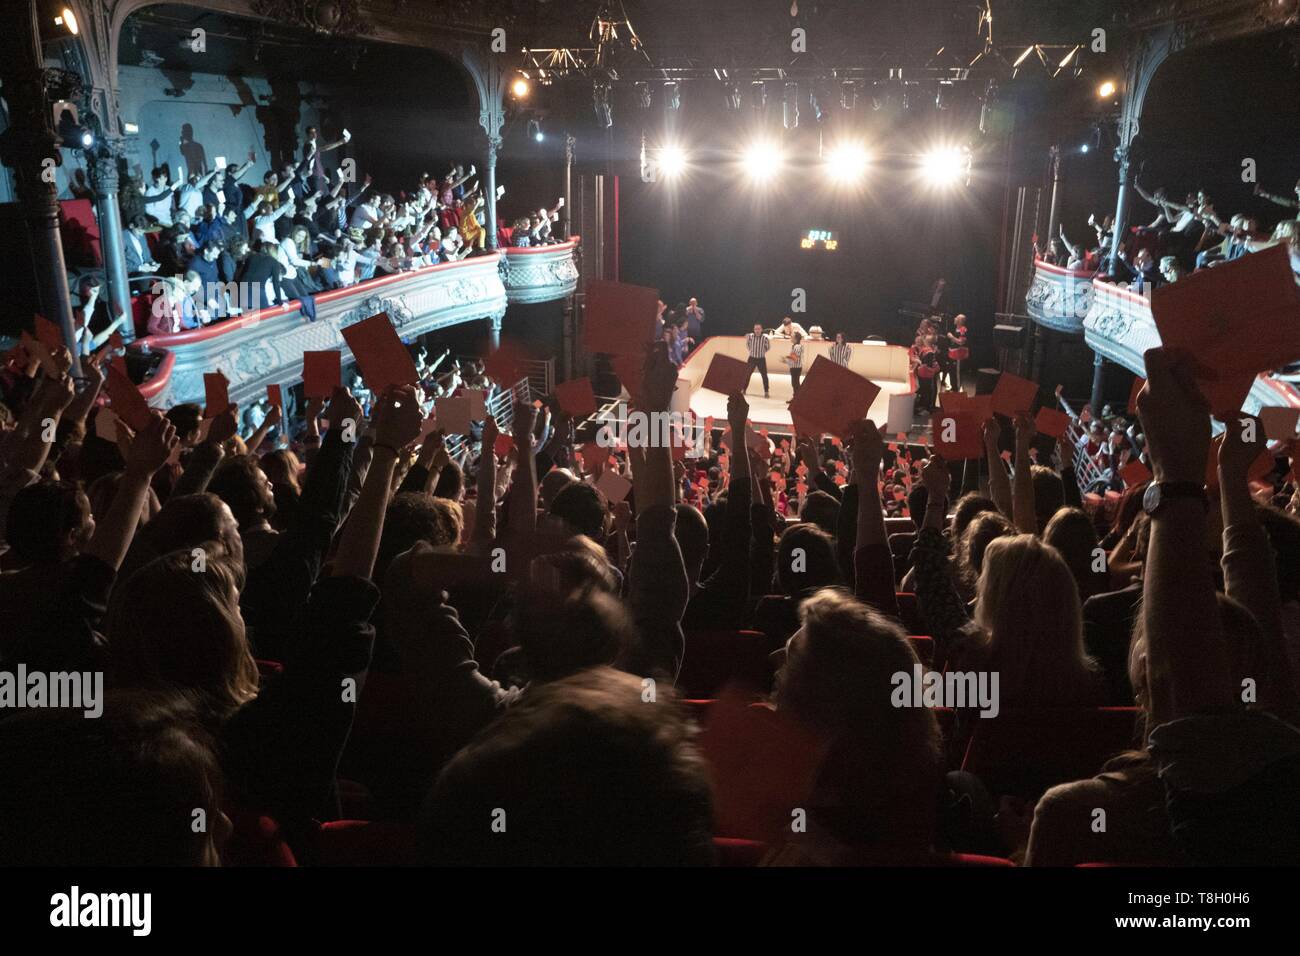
(480,657)
(1182,238)
(211,246)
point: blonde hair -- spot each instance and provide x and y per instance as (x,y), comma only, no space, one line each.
(1028,608)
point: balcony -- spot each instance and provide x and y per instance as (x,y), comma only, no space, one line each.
(1058,298)
(265,347)
(1119,326)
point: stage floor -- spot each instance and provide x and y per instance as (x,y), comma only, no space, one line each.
(773,413)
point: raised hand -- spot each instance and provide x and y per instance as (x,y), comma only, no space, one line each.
(1236,455)
(1175,418)
(936,478)
(224,426)
(400,418)
(866,451)
(152,447)
(342,407)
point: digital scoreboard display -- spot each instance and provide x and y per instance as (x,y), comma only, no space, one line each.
(819,239)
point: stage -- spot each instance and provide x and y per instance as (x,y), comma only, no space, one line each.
(886,365)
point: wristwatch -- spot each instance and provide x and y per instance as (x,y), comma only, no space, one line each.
(1160,492)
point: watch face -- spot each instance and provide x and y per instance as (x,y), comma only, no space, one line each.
(1151,498)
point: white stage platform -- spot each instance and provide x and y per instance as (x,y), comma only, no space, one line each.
(886,365)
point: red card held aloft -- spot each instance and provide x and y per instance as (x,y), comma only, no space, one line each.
(383,359)
(503,445)
(275,397)
(833,399)
(576,397)
(1239,318)
(322,372)
(127,402)
(727,375)
(630,369)
(1013,395)
(1134,473)
(957,435)
(216,394)
(1279,421)
(619,318)
(506,364)
(1052,421)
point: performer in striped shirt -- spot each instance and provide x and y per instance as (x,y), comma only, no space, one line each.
(757,344)
(840,351)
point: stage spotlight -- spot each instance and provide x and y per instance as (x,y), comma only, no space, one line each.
(945,167)
(68,20)
(758,95)
(1106,90)
(877,97)
(1083,148)
(643,95)
(672,95)
(535,130)
(733,97)
(762,160)
(672,161)
(943,98)
(846,163)
(790,106)
(519,87)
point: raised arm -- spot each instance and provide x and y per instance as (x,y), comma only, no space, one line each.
(873,563)
(999,483)
(149,452)
(399,421)
(1187,665)
(1023,513)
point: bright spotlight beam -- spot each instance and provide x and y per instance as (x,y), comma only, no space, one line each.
(846,163)
(944,167)
(762,160)
(672,161)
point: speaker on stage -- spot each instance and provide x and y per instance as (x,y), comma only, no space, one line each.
(1008,336)
(985,380)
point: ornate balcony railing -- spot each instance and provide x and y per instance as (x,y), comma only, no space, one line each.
(265,347)
(1059,298)
(1119,327)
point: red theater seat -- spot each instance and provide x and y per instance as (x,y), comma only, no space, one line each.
(715,658)
(1023,753)
(975,859)
(364,843)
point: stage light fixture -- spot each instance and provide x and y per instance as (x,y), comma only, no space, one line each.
(643,95)
(672,95)
(1024,56)
(1083,148)
(68,21)
(846,163)
(943,98)
(762,160)
(945,167)
(848,95)
(733,97)
(877,97)
(672,161)
(519,87)
(1106,90)
(790,106)
(758,95)
(535,130)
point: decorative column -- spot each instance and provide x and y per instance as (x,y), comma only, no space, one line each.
(1053,217)
(494,330)
(104,181)
(30,147)
(488,72)
(570,141)
(1150,50)
(490,189)
(1098,382)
